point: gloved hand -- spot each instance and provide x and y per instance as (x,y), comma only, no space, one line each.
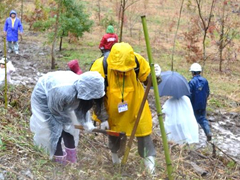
(104,125)
(157,69)
(88,126)
(102,49)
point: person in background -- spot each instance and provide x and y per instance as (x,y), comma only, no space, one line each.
(199,94)
(11,27)
(74,66)
(124,94)
(59,101)
(108,40)
(10,70)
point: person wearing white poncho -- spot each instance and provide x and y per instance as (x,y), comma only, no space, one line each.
(10,70)
(180,123)
(59,101)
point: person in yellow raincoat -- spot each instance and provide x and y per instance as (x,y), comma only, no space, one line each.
(124,94)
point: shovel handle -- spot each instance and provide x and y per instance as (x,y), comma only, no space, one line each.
(106,132)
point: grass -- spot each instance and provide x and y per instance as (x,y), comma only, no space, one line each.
(20,158)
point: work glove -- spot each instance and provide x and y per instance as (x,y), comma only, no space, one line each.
(157,69)
(102,49)
(88,126)
(104,125)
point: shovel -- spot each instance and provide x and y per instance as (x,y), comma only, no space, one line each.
(105,132)
(121,135)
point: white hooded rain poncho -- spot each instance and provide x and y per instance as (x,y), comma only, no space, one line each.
(54,104)
(180,123)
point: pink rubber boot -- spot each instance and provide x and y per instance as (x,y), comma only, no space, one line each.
(61,159)
(71,154)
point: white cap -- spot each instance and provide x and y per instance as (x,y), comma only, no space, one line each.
(2,61)
(195,67)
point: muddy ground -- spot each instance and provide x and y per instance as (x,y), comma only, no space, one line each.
(34,61)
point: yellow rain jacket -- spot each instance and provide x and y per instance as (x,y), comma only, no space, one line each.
(123,85)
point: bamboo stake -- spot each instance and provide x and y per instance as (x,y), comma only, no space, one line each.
(5,58)
(157,99)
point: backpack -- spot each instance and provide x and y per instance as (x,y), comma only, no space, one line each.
(105,67)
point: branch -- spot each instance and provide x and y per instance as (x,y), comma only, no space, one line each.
(130,4)
(226,32)
(122,3)
(200,13)
(224,152)
(15,172)
(230,40)
(210,14)
(180,13)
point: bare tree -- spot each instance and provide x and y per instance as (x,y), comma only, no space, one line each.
(179,17)
(21,10)
(125,4)
(98,10)
(205,25)
(55,34)
(225,36)
(122,11)
(133,17)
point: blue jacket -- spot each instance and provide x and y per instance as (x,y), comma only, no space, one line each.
(199,92)
(12,33)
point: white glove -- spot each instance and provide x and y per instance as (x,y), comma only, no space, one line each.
(157,69)
(88,126)
(104,125)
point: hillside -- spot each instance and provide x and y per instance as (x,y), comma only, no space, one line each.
(20,159)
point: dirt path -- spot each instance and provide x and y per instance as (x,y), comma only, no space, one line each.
(32,61)
(226,132)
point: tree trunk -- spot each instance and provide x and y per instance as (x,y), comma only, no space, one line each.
(61,39)
(205,28)
(22,10)
(204,50)
(99,11)
(221,39)
(220,57)
(55,36)
(175,36)
(119,12)
(123,3)
(60,45)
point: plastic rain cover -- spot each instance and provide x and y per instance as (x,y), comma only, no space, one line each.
(180,123)
(54,101)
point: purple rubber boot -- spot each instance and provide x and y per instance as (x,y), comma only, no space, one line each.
(61,159)
(71,154)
